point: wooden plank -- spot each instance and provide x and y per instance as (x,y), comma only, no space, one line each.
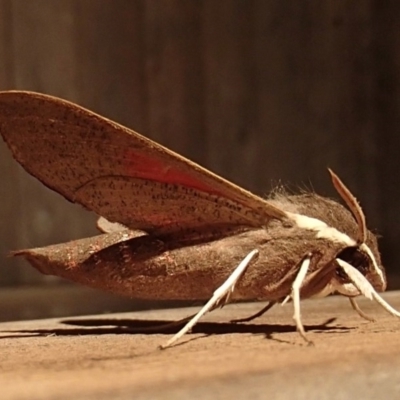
(43,47)
(314,67)
(103,357)
(386,45)
(174,75)
(230,109)
(6,72)
(289,92)
(110,50)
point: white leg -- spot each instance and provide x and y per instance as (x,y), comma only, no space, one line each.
(358,310)
(286,299)
(225,290)
(296,286)
(362,284)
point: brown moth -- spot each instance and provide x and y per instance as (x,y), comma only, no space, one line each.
(174,230)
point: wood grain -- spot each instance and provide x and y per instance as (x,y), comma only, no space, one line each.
(102,357)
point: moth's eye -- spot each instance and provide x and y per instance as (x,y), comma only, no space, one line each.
(355,258)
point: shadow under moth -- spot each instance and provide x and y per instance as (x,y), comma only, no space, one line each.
(174,230)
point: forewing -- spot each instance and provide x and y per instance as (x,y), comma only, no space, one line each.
(118,173)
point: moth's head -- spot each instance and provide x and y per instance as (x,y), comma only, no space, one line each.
(364,254)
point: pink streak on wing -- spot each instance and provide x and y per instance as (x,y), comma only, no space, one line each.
(144,166)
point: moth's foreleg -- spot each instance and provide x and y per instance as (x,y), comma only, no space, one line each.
(365,287)
(257,314)
(295,295)
(358,310)
(220,295)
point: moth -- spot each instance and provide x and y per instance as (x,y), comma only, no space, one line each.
(174,230)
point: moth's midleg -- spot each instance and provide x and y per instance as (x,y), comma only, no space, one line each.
(220,295)
(296,286)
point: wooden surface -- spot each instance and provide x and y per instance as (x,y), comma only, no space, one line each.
(100,357)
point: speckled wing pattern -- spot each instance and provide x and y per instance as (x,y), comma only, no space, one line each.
(118,173)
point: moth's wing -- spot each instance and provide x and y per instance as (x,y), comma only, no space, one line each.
(118,173)
(99,262)
(141,266)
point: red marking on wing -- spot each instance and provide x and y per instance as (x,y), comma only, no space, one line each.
(147,167)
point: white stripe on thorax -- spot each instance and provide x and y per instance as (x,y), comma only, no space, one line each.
(323,230)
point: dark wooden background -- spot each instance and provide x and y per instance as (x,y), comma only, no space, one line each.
(259,91)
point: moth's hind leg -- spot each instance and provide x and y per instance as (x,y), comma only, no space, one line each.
(298,273)
(358,310)
(257,314)
(287,280)
(220,297)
